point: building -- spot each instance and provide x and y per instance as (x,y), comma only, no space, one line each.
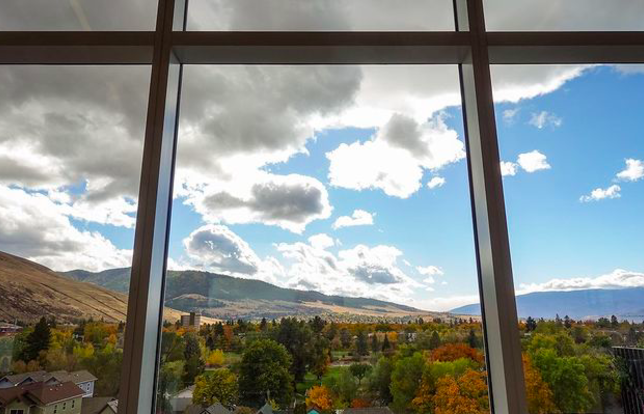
(180,401)
(368,410)
(7,329)
(191,321)
(633,384)
(83,379)
(99,405)
(39,397)
(216,408)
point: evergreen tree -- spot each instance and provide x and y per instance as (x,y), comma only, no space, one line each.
(263,325)
(361,344)
(375,345)
(435,340)
(530,324)
(386,346)
(37,341)
(472,339)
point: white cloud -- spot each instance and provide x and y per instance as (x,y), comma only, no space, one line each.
(508,168)
(544,118)
(634,170)
(436,182)
(35,227)
(393,160)
(510,114)
(358,218)
(321,241)
(616,279)
(359,272)
(601,194)
(533,161)
(430,271)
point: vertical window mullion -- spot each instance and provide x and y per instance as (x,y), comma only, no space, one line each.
(498,305)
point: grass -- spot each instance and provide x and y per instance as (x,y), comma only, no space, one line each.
(311,380)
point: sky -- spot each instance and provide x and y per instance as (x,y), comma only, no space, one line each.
(348,180)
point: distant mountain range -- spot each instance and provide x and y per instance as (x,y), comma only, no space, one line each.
(578,304)
(223,297)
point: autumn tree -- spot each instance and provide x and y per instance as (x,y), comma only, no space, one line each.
(219,385)
(319,396)
(452,352)
(466,394)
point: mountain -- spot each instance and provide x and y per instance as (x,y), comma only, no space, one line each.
(29,291)
(223,297)
(578,304)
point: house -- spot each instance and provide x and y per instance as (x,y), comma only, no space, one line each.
(83,379)
(216,408)
(266,409)
(7,329)
(99,405)
(181,400)
(39,397)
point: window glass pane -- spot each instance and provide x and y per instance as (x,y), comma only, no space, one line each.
(571,143)
(574,15)
(321,232)
(321,15)
(70,155)
(82,15)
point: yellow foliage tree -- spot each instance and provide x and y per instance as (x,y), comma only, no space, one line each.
(319,396)
(538,393)
(464,395)
(215,358)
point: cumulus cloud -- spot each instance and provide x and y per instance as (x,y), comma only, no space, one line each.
(35,227)
(393,160)
(602,193)
(617,279)
(360,271)
(543,119)
(508,168)
(533,161)
(217,248)
(436,182)
(634,170)
(321,241)
(431,272)
(358,218)
(290,202)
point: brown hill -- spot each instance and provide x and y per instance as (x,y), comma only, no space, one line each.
(29,291)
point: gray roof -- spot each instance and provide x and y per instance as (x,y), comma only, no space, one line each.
(216,408)
(266,409)
(94,405)
(36,376)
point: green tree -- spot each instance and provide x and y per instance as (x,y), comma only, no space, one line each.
(38,340)
(375,344)
(379,381)
(296,337)
(530,324)
(566,378)
(362,347)
(264,372)
(435,340)
(405,380)
(360,371)
(320,359)
(344,385)
(386,345)
(345,338)
(219,385)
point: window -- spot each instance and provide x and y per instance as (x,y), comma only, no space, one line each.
(73,404)
(322,213)
(64,406)
(575,227)
(17,411)
(70,155)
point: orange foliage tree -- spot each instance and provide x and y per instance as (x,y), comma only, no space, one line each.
(538,393)
(360,403)
(464,395)
(319,396)
(452,352)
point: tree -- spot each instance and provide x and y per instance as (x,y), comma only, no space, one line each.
(215,358)
(386,346)
(317,325)
(379,381)
(319,396)
(375,345)
(345,338)
(38,340)
(219,385)
(194,364)
(320,359)
(464,395)
(530,324)
(538,393)
(472,339)
(263,325)
(359,371)
(344,385)
(296,337)
(614,323)
(435,340)
(361,344)
(406,377)
(452,352)
(264,372)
